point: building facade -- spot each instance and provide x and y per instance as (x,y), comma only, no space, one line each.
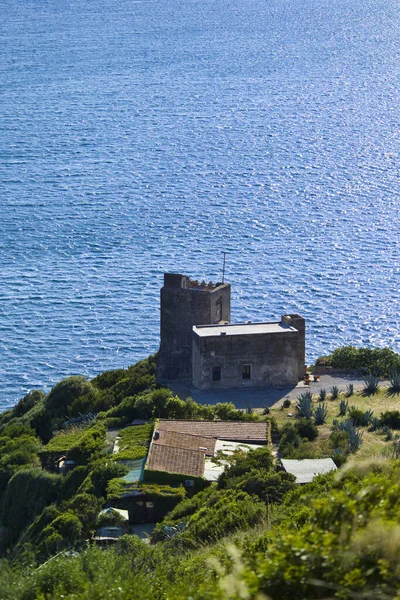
(246,355)
(185,303)
(199,344)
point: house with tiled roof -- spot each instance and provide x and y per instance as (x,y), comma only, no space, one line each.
(186,448)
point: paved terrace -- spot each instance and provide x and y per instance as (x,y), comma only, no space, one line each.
(261,397)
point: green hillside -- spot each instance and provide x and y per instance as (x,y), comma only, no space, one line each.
(253,534)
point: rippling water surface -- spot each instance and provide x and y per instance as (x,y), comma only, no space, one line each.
(138,137)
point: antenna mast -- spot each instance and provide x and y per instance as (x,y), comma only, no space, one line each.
(223,269)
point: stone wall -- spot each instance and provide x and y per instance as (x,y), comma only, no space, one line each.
(184,304)
(272,357)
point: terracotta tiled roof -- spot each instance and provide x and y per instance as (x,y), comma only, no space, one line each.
(177,439)
(224,430)
(176,460)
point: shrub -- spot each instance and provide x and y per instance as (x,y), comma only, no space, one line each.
(159,399)
(222,513)
(359,417)
(102,472)
(350,389)
(355,415)
(286,403)
(306,429)
(28,402)
(388,433)
(61,398)
(241,462)
(175,408)
(290,441)
(391,418)
(343,407)
(26,495)
(322,395)
(382,360)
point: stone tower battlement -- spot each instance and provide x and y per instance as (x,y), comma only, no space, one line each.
(185,303)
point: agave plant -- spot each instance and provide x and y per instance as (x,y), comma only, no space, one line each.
(350,389)
(355,435)
(394,382)
(371,384)
(170,531)
(375,424)
(343,407)
(334,392)
(322,395)
(367,418)
(320,414)
(304,405)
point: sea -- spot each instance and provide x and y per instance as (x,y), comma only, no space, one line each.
(143,136)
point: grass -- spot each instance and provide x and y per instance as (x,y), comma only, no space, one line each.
(64,441)
(134,442)
(373,442)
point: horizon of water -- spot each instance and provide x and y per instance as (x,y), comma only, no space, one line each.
(139,137)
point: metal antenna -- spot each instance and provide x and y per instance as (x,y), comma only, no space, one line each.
(223,269)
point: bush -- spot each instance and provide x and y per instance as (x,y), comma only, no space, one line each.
(306,429)
(358,417)
(290,441)
(382,360)
(60,401)
(221,513)
(343,407)
(26,495)
(286,403)
(28,402)
(322,395)
(242,462)
(391,418)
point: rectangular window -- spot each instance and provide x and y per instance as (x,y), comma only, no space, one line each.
(246,371)
(216,374)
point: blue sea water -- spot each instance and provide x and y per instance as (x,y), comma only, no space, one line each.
(138,137)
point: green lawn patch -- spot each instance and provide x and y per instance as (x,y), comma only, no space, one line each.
(134,442)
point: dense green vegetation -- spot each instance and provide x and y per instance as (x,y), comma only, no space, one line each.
(133,442)
(380,361)
(254,534)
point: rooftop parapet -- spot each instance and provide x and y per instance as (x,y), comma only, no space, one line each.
(178,281)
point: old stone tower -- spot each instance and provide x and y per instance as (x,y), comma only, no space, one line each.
(185,303)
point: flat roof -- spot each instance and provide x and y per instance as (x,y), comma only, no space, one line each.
(305,470)
(241,329)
